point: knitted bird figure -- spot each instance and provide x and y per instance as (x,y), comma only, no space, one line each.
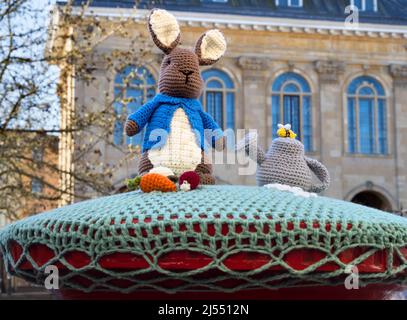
(285,131)
(177,125)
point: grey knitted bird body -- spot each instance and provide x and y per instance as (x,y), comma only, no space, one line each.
(286,163)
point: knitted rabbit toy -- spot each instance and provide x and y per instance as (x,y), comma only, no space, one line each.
(285,162)
(176,123)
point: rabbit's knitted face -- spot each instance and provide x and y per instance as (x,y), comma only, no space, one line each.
(180,75)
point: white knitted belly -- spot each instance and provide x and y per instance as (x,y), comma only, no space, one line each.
(181,152)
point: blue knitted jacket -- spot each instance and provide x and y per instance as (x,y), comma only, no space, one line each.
(158,113)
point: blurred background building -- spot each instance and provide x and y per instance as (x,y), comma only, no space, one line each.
(38,195)
(342,85)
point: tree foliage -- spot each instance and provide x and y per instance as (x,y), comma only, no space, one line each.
(39,59)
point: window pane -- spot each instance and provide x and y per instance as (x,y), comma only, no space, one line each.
(36,185)
(366,91)
(118,132)
(135,99)
(38,155)
(295,3)
(214,84)
(283,3)
(214,103)
(382,126)
(134,86)
(290,76)
(307,123)
(219,108)
(210,103)
(119,93)
(370,5)
(150,94)
(215,73)
(358,3)
(372,132)
(362,81)
(351,126)
(296,115)
(275,114)
(366,125)
(215,98)
(291,88)
(230,109)
(291,82)
(292,113)
(118,125)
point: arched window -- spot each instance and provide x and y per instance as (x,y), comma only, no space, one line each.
(218,98)
(291,103)
(366,115)
(133,87)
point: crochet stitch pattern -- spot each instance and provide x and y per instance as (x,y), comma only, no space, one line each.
(159,113)
(285,163)
(181,152)
(214,223)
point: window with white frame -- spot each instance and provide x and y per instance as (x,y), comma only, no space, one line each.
(366,117)
(133,87)
(291,102)
(365,5)
(218,97)
(289,3)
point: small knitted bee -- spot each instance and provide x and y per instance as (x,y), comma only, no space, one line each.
(285,131)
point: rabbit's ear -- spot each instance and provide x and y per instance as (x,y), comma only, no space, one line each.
(164,30)
(210,47)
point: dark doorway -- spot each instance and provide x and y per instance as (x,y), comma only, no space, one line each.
(372,199)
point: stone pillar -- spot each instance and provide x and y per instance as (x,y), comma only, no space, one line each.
(329,125)
(254,100)
(399,73)
(255,96)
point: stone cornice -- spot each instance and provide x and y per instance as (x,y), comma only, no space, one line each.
(329,70)
(399,71)
(235,22)
(252,63)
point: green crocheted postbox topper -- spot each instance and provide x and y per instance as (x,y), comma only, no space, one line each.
(219,223)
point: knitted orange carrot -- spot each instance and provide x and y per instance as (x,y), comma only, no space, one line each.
(157,182)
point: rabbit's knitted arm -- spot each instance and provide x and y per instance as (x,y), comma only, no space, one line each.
(215,132)
(137,120)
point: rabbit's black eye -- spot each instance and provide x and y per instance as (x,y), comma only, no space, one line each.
(168,62)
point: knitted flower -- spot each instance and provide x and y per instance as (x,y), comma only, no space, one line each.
(191,177)
(133,184)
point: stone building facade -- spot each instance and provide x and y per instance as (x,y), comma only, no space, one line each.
(344,87)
